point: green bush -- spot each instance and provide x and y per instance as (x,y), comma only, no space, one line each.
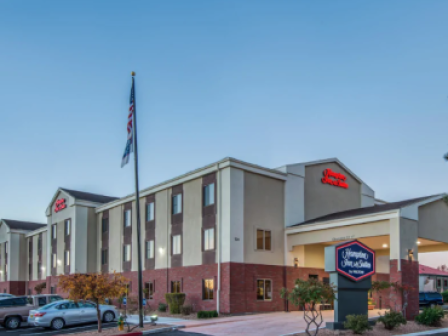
(445,296)
(207,313)
(175,301)
(430,316)
(162,307)
(357,323)
(392,319)
(186,309)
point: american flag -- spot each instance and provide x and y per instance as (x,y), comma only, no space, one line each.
(129,144)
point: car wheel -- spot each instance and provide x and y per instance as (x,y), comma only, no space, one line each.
(57,324)
(12,323)
(108,316)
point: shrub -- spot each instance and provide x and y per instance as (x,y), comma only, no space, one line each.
(392,319)
(207,313)
(186,310)
(175,301)
(40,287)
(430,316)
(357,323)
(445,296)
(162,307)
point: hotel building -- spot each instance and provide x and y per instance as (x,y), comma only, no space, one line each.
(230,235)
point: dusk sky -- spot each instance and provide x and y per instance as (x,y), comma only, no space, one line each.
(268,82)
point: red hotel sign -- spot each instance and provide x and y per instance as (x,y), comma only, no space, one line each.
(333,178)
(59,205)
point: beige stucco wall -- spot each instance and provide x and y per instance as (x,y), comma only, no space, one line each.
(372,229)
(163,229)
(231,203)
(192,224)
(263,209)
(403,236)
(433,221)
(4,237)
(115,239)
(322,199)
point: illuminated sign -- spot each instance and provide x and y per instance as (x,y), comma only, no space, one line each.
(333,178)
(60,205)
(355,260)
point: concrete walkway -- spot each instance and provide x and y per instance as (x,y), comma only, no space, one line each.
(268,324)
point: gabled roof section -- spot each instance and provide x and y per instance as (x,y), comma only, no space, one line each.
(370,210)
(22,225)
(85,196)
(426,270)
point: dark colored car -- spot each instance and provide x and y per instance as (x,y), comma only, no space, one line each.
(430,299)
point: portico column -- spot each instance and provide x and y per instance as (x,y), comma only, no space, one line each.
(404,263)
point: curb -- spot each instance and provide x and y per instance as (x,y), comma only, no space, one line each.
(160,330)
(428,332)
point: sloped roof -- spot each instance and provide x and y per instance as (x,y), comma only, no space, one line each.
(365,210)
(22,225)
(426,270)
(85,196)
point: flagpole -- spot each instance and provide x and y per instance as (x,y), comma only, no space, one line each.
(137,205)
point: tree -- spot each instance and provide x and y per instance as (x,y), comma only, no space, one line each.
(403,290)
(40,287)
(94,287)
(307,294)
(378,287)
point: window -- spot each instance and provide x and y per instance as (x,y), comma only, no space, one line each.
(127,218)
(176,244)
(150,249)
(54,231)
(104,225)
(67,258)
(264,290)
(39,242)
(30,271)
(439,283)
(29,291)
(326,281)
(177,204)
(86,305)
(41,301)
(313,276)
(67,227)
(53,290)
(104,257)
(209,239)
(150,211)
(39,270)
(263,240)
(209,194)
(207,289)
(30,247)
(127,252)
(55,260)
(175,287)
(445,283)
(149,290)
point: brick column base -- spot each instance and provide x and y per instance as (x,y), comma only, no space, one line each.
(407,276)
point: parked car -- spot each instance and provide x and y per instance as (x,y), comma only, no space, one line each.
(14,311)
(59,314)
(430,299)
(6,295)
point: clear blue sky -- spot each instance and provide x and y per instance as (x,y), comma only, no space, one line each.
(269,82)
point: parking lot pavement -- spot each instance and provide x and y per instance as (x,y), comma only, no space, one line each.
(33,331)
(181,333)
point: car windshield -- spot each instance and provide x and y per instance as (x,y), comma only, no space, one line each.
(48,306)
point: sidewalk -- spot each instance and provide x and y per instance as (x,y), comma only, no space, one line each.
(267,324)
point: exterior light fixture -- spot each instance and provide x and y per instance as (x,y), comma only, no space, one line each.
(410,255)
(384,245)
(296,262)
(59,262)
(419,242)
(161,250)
(43,268)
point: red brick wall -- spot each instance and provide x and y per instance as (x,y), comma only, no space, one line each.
(385,294)
(407,276)
(34,283)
